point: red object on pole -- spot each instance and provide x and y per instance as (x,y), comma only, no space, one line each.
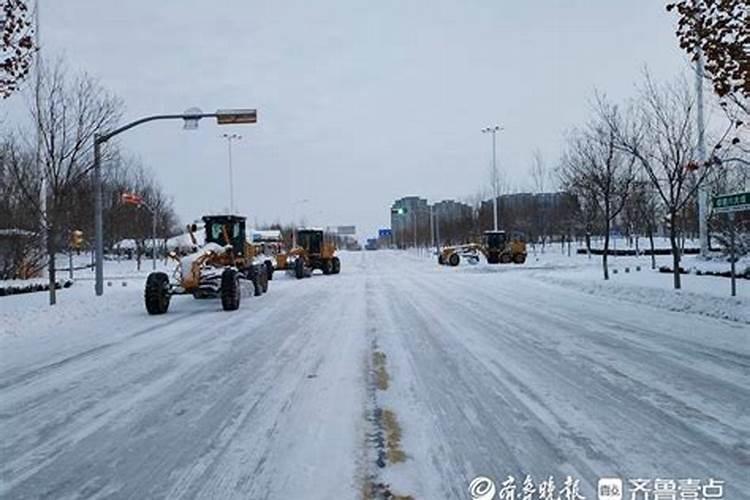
(131,199)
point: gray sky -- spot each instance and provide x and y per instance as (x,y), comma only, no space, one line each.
(359,102)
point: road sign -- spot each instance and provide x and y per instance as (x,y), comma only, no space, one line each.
(736,202)
(346,230)
(236,116)
(385,233)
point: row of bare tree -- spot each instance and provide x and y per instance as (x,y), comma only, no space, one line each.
(53,154)
(640,163)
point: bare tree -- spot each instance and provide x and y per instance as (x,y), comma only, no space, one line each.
(539,176)
(662,137)
(538,171)
(16,215)
(67,113)
(17,45)
(594,166)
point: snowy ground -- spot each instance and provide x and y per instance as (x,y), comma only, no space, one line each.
(492,370)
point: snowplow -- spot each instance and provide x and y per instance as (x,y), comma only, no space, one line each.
(268,244)
(496,247)
(311,252)
(218,269)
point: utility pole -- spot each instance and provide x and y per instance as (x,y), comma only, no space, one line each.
(45,243)
(702,194)
(432,227)
(230,138)
(494,130)
(414,221)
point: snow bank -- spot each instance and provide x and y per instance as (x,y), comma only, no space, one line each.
(732,309)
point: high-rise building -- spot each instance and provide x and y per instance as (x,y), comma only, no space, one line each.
(410,221)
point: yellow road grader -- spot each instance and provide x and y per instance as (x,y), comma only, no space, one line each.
(496,247)
(218,269)
(311,252)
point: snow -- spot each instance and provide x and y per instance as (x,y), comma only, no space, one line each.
(498,370)
(184,241)
(186,262)
(126,244)
(259,235)
(622,243)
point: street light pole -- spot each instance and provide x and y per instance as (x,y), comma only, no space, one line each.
(432,227)
(230,138)
(493,130)
(153,240)
(702,194)
(98,223)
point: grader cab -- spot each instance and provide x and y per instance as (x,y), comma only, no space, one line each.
(311,252)
(497,247)
(218,269)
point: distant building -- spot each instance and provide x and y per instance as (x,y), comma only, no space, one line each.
(450,210)
(410,221)
(454,221)
(536,215)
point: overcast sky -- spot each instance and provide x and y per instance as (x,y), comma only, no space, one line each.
(359,102)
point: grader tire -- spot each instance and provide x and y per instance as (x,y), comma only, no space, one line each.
(519,258)
(336,262)
(505,258)
(299,269)
(454,259)
(156,294)
(230,290)
(326,266)
(441,261)
(258,278)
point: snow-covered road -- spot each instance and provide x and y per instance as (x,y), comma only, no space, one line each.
(485,373)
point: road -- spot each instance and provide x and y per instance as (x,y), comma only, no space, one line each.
(486,373)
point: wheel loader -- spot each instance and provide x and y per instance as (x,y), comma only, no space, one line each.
(311,252)
(218,269)
(496,247)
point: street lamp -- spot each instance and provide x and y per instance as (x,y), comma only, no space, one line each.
(191,118)
(230,138)
(493,130)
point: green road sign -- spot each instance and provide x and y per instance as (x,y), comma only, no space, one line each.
(737,202)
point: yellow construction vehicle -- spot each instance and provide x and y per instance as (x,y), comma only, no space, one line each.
(311,252)
(217,269)
(496,247)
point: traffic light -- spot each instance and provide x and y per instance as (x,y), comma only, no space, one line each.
(76,239)
(398,211)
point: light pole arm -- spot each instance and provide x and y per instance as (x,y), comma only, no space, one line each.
(102,138)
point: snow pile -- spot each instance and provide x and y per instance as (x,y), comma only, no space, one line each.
(729,308)
(186,263)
